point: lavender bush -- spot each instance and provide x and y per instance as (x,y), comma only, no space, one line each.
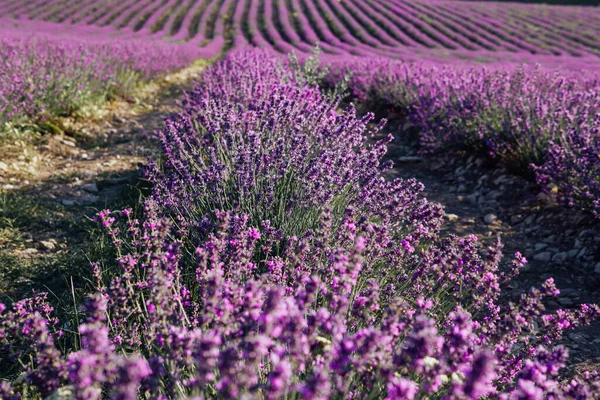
(522,115)
(273,260)
(46,76)
(572,168)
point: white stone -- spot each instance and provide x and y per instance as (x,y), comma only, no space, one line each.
(452,217)
(48,245)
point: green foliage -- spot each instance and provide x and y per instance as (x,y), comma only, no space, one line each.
(311,72)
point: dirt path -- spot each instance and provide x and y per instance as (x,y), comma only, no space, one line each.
(49,191)
(486,200)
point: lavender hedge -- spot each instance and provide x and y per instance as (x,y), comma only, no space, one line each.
(273,260)
(48,76)
(533,119)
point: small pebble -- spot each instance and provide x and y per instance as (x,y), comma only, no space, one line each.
(409,159)
(48,244)
(545,256)
(573,253)
(90,187)
(540,246)
(565,301)
(559,257)
(489,219)
(452,217)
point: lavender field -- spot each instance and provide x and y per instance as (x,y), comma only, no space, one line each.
(299,199)
(358,27)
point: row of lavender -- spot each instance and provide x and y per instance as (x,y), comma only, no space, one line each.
(44,76)
(537,121)
(391,28)
(273,260)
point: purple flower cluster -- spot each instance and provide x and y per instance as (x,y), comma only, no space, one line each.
(52,75)
(273,260)
(531,118)
(572,167)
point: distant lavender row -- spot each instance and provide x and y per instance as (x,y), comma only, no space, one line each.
(49,75)
(390,28)
(274,260)
(531,118)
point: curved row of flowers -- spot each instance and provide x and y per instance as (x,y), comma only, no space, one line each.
(45,76)
(538,121)
(273,260)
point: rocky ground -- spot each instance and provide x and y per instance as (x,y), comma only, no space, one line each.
(484,199)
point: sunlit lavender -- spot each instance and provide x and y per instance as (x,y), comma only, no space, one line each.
(272,251)
(241,279)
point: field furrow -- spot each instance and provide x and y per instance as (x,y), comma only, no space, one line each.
(130,19)
(260,38)
(528,31)
(213,17)
(559,34)
(232,29)
(498,30)
(145,16)
(6,6)
(427,26)
(355,27)
(385,24)
(304,24)
(197,24)
(181,16)
(271,25)
(410,27)
(214,36)
(157,21)
(461,34)
(405,33)
(46,10)
(85,9)
(105,16)
(387,28)
(283,23)
(472,25)
(70,15)
(20,9)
